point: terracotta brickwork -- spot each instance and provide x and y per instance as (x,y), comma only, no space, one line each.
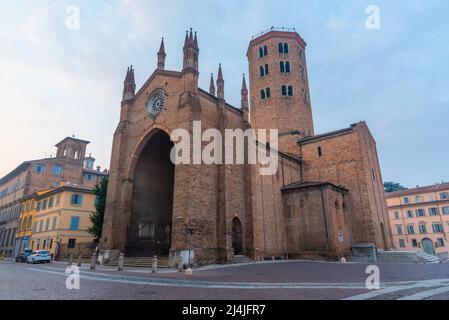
(210,202)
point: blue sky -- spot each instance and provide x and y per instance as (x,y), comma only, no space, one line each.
(55,82)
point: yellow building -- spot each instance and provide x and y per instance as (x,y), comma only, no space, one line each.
(26,219)
(62,220)
(419,219)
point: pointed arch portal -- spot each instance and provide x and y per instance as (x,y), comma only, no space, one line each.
(149,232)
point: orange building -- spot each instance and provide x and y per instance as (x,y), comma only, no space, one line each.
(419,218)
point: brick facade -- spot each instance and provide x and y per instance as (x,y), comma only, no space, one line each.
(209,202)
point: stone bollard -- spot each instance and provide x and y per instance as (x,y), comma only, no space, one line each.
(70,259)
(93,262)
(273,258)
(343,260)
(189,272)
(121,262)
(79,260)
(154,264)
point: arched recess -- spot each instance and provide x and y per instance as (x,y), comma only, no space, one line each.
(150,187)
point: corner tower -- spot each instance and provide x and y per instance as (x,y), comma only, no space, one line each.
(279,87)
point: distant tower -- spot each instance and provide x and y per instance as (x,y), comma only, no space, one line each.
(212,85)
(161,55)
(279,86)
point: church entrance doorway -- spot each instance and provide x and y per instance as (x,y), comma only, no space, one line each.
(150,229)
(237,237)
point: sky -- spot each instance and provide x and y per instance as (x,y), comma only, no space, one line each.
(57,81)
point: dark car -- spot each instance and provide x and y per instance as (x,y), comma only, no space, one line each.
(23,256)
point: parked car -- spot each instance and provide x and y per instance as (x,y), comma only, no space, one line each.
(39,256)
(23,256)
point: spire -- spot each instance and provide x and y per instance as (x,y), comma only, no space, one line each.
(244,101)
(220,84)
(195,42)
(212,85)
(129,87)
(191,51)
(161,56)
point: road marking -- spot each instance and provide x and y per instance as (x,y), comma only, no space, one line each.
(376,293)
(426,294)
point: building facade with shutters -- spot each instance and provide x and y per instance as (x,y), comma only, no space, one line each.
(70,164)
(419,218)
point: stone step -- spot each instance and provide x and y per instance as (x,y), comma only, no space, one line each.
(241,259)
(143,262)
(406,256)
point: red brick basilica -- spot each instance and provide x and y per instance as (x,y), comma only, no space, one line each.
(326,195)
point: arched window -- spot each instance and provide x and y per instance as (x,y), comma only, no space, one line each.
(282,66)
(285,47)
(262,94)
(260,52)
(281,48)
(284,90)
(268,92)
(320,152)
(266,69)
(30,221)
(287,66)
(262,71)
(290,91)
(303,76)
(301,54)
(265,50)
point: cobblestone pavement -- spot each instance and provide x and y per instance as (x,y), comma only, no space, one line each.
(297,280)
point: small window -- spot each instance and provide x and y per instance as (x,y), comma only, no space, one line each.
(44,205)
(260,52)
(266,70)
(285,47)
(41,224)
(265,50)
(262,71)
(287,66)
(402,243)
(47,224)
(374,174)
(414,243)
(437,228)
(420,213)
(446,211)
(434,212)
(290,91)
(268,92)
(444,195)
(418,199)
(320,152)
(399,229)
(281,47)
(440,242)
(50,203)
(411,229)
(284,90)
(406,200)
(282,66)
(54,223)
(396,215)
(77,199)
(302,70)
(422,229)
(39,169)
(57,170)
(262,94)
(72,243)
(74,223)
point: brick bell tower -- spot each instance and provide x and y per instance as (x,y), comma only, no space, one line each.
(279,87)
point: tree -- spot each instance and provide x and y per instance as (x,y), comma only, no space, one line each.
(393,186)
(97,217)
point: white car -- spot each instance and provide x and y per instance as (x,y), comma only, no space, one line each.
(39,256)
